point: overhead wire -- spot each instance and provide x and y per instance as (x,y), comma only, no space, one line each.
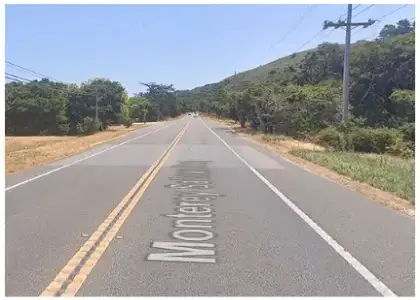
(366,8)
(29,70)
(311,8)
(332,29)
(59,90)
(322,30)
(378,21)
(16,77)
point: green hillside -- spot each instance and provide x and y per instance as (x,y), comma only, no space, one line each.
(301,95)
(273,71)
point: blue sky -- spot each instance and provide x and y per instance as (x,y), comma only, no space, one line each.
(186,45)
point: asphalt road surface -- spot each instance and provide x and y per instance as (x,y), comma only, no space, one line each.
(186,208)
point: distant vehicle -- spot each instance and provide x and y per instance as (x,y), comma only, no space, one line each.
(189,114)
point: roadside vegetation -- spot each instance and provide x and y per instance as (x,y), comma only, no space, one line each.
(300,99)
(387,173)
(47,120)
(23,152)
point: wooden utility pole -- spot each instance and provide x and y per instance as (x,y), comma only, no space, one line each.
(346,72)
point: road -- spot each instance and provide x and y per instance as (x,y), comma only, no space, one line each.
(186,208)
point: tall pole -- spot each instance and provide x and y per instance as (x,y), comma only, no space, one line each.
(96,109)
(346,72)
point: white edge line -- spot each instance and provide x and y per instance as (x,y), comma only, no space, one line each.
(342,185)
(82,159)
(361,269)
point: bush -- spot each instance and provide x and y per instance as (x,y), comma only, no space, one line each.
(88,126)
(375,140)
(331,137)
(273,138)
(128,123)
(361,139)
(64,128)
(402,148)
(408,131)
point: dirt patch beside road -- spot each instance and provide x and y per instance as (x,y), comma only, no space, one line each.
(24,152)
(287,146)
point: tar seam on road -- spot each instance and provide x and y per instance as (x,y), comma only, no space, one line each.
(361,269)
(74,274)
(82,159)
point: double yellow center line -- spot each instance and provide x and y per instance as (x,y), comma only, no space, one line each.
(73,275)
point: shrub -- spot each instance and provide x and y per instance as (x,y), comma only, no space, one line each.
(64,128)
(273,138)
(128,123)
(331,137)
(88,126)
(376,140)
(408,131)
(402,148)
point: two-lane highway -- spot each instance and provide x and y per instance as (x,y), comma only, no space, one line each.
(192,210)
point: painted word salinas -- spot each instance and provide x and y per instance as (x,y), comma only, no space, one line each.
(193,222)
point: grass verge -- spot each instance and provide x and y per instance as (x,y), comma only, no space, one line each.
(387,173)
(24,152)
(396,191)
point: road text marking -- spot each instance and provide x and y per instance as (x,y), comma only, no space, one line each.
(73,275)
(194,218)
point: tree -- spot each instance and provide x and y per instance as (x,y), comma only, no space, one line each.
(138,108)
(162,99)
(244,106)
(36,107)
(403,27)
(402,104)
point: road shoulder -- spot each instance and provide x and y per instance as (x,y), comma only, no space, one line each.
(385,198)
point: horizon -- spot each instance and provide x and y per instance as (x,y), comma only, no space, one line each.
(75,43)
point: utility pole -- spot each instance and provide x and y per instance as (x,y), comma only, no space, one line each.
(96,109)
(346,72)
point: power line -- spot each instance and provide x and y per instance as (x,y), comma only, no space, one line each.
(370,6)
(31,71)
(311,8)
(322,30)
(338,19)
(354,8)
(16,77)
(381,18)
(390,13)
(346,72)
(26,81)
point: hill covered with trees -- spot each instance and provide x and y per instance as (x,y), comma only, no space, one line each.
(301,95)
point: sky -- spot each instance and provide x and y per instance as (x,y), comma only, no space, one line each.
(184,45)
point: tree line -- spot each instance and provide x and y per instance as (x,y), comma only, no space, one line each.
(306,100)
(45,107)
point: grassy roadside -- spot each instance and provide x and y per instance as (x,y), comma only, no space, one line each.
(387,173)
(386,179)
(24,152)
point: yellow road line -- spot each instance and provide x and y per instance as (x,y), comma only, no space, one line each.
(73,275)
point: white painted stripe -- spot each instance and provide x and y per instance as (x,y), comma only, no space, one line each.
(361,269)
(82,159)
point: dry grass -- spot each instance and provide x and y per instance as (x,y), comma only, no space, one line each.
(23,152)
(326,168)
